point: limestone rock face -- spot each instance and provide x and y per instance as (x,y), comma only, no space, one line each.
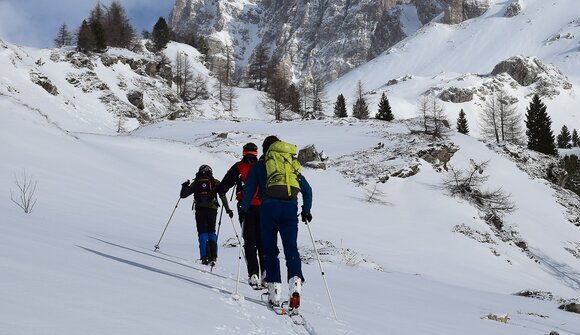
(325,38)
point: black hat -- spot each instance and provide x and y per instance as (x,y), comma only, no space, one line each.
(268,142)
(250,149)
(205,170)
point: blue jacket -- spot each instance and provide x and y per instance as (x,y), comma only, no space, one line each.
(257,178)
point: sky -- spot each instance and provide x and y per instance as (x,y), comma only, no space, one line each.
(35,22)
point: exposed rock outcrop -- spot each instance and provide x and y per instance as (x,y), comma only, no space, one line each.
(529,70)
(457,11)
(513,9)
(457,94)
(43,82)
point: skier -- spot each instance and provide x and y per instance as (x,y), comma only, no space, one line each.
(205,205)
(236,175)
(278,215)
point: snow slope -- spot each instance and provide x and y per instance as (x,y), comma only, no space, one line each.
(83,262)
(463,55)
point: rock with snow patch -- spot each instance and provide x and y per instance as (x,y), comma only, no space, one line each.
(513,9)
(310,157)
(43,81)
(457,94)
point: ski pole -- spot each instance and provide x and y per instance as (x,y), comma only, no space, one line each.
(220,221)
(219,226)
(236,295)
(167,225)
(322,271)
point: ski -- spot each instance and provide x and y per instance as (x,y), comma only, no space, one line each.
(293,314)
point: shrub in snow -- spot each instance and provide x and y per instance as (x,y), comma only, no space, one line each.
(24,197)
(467,184)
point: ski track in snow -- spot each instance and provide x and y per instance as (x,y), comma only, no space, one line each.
(250,312)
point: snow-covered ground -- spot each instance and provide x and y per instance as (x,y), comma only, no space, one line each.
(408,259)
(83,261)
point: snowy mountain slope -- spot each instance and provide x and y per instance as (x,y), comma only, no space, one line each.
(92,93)
(440,56)
(83,260)
(410,260)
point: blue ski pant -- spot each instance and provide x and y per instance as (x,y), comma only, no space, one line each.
(205,219)
(280,216)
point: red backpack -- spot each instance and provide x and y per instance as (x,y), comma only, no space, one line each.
(244,168)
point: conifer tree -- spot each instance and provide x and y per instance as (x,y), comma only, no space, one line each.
(385,112)
(292,99)
(340,107)
(575,139)
(85,38)
(160,34)
(118,31)
(258,69)
(539,131)
(63,37)
(564,138)
(360,108)
(96,21)
(462,125)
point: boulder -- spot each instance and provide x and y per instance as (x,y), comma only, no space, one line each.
(136,99)
(310,157)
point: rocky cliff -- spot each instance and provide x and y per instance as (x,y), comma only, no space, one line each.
(322,38)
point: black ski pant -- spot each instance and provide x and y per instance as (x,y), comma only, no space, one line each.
(253,241)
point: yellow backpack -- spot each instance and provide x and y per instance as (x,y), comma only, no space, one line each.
(282,171)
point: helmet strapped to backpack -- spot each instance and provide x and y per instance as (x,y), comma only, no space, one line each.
(282,171)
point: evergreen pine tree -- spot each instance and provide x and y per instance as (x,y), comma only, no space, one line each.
(564,138)
(340,107)
(462,125)
(539,131)
(96,21)
(160,34)
(85,38)
(63,38)
(575,139)
(118,31)
(360,108)
(258,69)
(385,112)
(293,99)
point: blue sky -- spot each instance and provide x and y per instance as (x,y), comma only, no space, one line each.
(36,22)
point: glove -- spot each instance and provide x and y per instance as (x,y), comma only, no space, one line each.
(241,215)
(306,217)
(185,183)
(230,213)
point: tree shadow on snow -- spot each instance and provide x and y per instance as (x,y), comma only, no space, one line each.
(170,274)
(562,271)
